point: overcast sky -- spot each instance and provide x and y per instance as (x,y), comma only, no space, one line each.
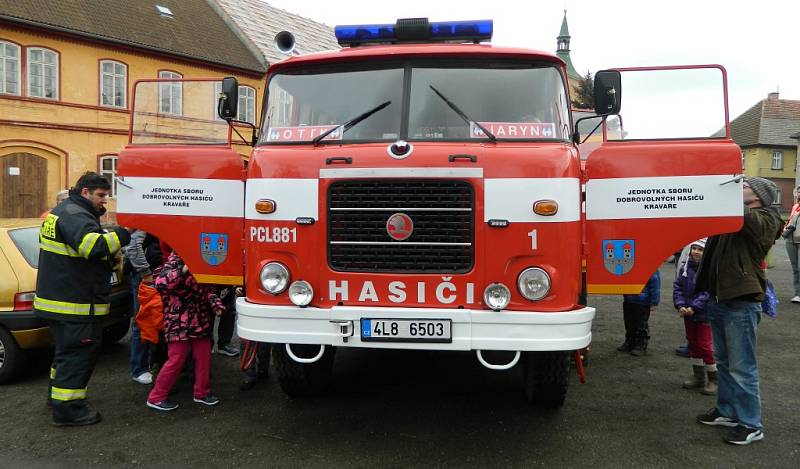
(757,42)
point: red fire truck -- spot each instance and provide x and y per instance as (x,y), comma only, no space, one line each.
(422,189)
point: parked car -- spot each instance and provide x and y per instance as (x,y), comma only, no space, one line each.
(20,330)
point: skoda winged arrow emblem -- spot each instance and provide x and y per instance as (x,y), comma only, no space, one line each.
(399,227)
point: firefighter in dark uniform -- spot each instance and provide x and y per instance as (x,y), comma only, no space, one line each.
(72,292)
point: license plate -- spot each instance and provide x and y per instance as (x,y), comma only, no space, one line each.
(406,330)
(114,279)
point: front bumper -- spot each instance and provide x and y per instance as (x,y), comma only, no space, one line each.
(471,329)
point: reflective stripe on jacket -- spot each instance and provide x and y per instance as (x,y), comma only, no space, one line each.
(75,262)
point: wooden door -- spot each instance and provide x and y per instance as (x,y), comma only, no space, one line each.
(23,185)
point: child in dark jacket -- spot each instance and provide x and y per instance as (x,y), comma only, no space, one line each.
(188,319)
(636,313)
(691,305)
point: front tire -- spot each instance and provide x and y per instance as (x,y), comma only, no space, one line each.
(545,378)
(304,379)
(10,357)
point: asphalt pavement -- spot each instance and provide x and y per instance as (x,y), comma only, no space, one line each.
(420,409)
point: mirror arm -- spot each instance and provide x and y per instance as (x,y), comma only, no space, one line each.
(576,136)
(254,136)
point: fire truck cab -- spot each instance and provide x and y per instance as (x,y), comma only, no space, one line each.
(422,189)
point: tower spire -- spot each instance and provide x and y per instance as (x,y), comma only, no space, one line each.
(562,48)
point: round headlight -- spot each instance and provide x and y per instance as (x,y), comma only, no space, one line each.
(274,277)
(533,283)
(497,296)
(301,293)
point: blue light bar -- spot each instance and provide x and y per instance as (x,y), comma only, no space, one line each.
(361,34)
(415,30)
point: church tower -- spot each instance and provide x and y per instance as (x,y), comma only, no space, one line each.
(562,51)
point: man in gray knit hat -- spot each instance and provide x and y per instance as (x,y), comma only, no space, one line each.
(731,271)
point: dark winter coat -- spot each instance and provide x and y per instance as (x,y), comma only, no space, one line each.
(75,262)
(731,266)
(684,294)
(189,308)
(650,295)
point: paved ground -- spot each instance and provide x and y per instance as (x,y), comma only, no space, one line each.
(400,409)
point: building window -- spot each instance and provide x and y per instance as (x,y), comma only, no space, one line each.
(170,94)
(108,169)
(247,105)
(113,83)
(215,108)
(9,68)
(42,73)
(777,160)
(779,198)
(282,108)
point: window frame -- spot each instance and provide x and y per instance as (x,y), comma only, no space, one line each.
(248,100)
(179,86)
(779,159)
(56,67)
(114,157)
(4,58)
(101,75)
(407,65)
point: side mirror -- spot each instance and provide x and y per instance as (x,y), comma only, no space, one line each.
(228,99)
(607,92)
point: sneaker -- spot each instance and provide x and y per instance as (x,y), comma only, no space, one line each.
(208,400)
(682,351)
(90,418)
(638,351)
(796,299)
(741,435)
(247,385)
(164,406)
(144,378)
(714,418)
(228,350)
(625,347)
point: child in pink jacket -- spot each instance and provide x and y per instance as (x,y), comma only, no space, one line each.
(188,321)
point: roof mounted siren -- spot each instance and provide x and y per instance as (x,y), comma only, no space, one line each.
(418,30)
(285,43)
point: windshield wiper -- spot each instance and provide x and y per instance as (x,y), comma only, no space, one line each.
(462,115)
(351,123)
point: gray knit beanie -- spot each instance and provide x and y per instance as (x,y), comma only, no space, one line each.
(764,189)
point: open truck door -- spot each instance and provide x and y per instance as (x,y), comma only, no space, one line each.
(668,175)
(180,180)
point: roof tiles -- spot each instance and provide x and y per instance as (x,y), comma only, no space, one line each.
(261,22)
(771,121)
(194,31)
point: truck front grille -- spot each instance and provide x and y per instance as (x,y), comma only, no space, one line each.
(442,212)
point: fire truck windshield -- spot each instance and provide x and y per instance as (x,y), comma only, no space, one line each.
(510,100)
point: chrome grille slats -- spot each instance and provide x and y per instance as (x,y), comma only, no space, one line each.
(442,212)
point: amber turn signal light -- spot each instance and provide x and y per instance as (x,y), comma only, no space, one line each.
(546,208)
(266,206)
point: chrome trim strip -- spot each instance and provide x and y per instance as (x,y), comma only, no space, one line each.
(401,209)
(401,173)
(381,243)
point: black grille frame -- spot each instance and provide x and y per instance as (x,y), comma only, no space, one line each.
(432,224)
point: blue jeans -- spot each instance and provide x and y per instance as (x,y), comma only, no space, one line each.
(792,251)
(734,325)
(140,351)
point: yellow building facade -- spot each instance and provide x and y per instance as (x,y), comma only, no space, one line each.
(65,108)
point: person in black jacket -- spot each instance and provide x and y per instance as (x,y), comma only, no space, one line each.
(72,292)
